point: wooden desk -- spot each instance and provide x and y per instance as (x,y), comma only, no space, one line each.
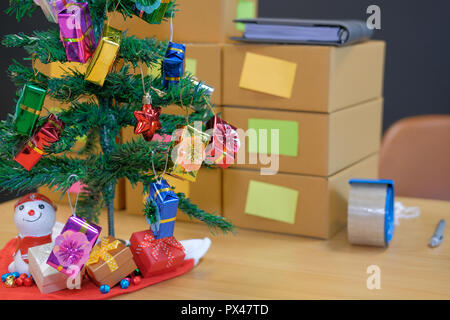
(260,265)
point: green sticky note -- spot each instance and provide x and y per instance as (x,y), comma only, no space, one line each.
(191,66)
(270,201)
(244,10)
(288,137)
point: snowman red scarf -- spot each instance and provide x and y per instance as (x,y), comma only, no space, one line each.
(23,244)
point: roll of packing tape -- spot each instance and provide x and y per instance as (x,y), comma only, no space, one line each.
(371,212)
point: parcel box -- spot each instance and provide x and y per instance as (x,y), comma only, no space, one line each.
(302,77)
(207,21)
(309,143)
(206,191)
(291,203)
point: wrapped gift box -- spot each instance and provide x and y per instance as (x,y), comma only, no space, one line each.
(110,261)
(154,256)
(47,279)
(74,245)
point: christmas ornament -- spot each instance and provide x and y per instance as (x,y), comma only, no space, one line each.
(4,276)
(104,55)
(224,143)
(77,33)
(147,120)
(19,282)
(10,282)
(136,280)
(34,217)
(104,288)
(109,262)
(44,137)
(154,256)
(173,64)
(28,108)
(28,282)
(189,152)
(153,14)
(124,283)
(51,8)
(166,202)
(73,245)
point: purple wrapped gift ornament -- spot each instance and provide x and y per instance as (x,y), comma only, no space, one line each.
(73,245)
(77,33)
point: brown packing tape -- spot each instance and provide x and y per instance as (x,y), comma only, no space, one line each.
(326,78)
(321,208)
(326,143)
(200,21)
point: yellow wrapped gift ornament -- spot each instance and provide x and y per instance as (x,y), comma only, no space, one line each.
(104,56)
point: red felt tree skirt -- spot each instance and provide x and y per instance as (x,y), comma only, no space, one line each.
(88,291)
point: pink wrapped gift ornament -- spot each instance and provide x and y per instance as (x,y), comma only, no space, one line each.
(77,33)
(224,143)
(73,245)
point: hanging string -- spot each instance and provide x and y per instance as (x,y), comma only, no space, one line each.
(171,26)
(159,179)
(73,209)
(186,107)
(209,105)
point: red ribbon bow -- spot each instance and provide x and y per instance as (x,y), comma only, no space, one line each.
(162,246)
(147,121)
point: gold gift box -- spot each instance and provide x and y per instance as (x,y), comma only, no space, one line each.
(104,56)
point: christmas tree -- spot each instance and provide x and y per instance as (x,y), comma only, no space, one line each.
(98,111)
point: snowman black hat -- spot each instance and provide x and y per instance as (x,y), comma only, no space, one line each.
(34,197)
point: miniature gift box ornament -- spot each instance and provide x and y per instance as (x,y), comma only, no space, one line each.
(47,134)
(28,108)
(48,279)
(154,13)
(154,256)
(224,143)
(74,245)
(51,8)
(173,64)
(109,262)
(166,202)
(104,55)
(189,148)
(77,33)
(147,119)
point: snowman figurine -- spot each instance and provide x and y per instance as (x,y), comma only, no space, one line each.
(34,216)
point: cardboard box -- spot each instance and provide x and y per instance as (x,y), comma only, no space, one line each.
(310,206)
(302,78)
(204,21)
(310,143)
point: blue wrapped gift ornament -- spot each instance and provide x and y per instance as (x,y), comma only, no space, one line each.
(173,64)
(167,203)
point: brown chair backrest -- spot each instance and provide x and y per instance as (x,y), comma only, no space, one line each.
(415,153)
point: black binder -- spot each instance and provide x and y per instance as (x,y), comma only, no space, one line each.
(348,31)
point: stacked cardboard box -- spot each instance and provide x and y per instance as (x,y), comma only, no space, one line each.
(326,103)
(203,26)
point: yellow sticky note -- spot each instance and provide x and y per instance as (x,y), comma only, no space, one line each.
(191,66)
(271,201)
(268,75)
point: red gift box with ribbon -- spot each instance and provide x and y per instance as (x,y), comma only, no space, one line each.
(33,151)
(154,256)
